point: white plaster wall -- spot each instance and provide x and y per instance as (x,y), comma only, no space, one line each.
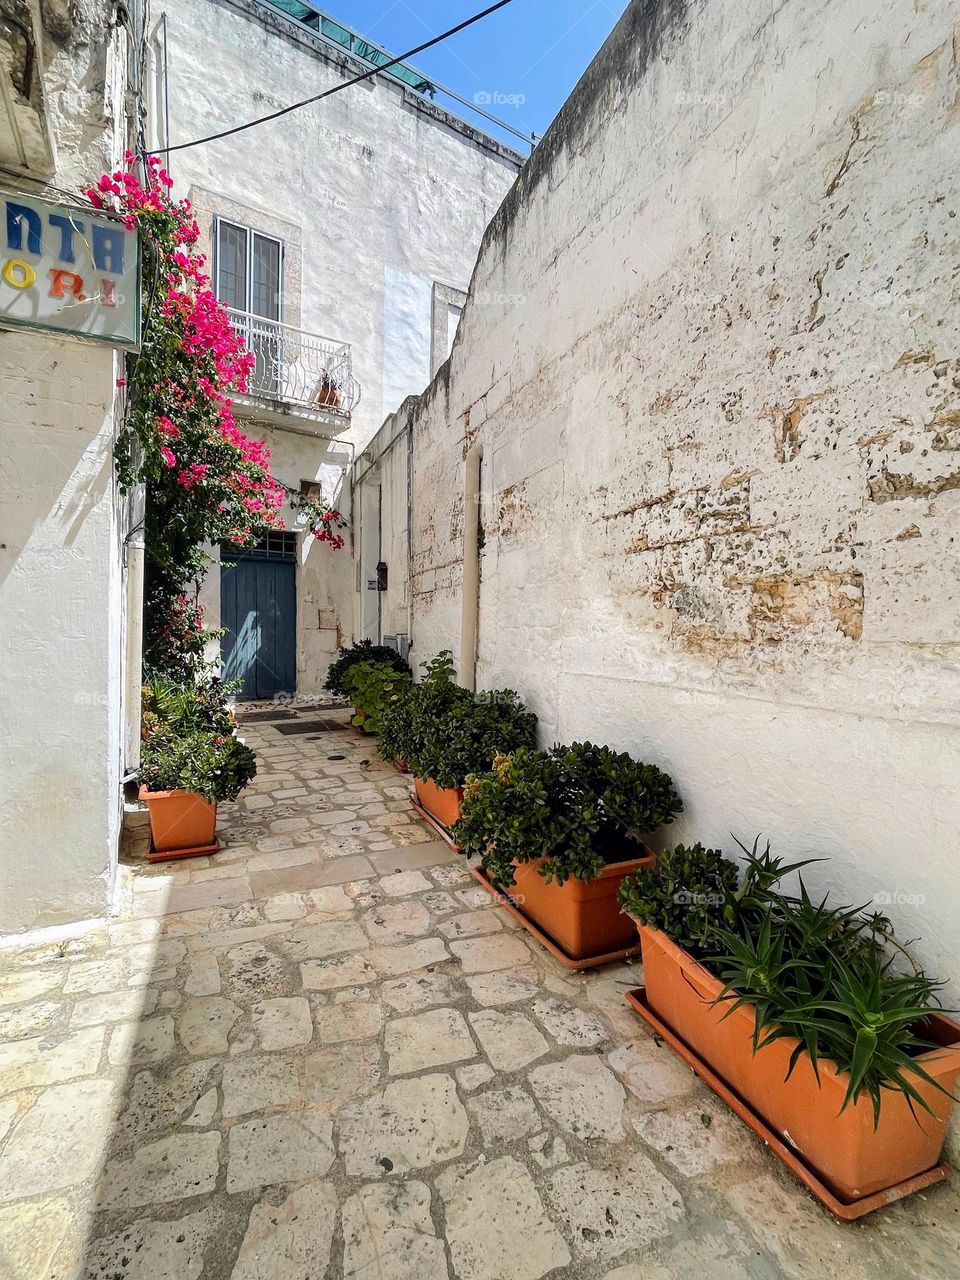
(383,467)
(61,572)
(711,354)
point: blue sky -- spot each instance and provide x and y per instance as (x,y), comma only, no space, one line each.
(526,57)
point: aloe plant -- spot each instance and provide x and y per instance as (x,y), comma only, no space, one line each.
(823,974)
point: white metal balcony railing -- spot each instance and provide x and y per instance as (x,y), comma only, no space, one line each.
(296,367)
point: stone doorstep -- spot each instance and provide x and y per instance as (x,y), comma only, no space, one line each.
(134,832)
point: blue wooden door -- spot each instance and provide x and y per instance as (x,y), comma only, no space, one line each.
(258,609)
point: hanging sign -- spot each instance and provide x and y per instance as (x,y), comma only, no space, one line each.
(68,270)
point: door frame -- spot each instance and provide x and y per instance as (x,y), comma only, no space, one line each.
(289,555)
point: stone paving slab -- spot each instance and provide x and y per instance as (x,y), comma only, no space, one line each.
(323,1055)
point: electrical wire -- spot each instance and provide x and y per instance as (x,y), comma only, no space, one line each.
(367,75)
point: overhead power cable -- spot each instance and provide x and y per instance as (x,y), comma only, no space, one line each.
(366,75)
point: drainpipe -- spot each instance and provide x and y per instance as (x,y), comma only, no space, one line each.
(135,549)
(409,535)
(470,604)
(141,111)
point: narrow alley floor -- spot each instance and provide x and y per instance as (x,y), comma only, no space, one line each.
(323,1053)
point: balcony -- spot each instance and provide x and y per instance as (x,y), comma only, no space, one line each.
(297,372)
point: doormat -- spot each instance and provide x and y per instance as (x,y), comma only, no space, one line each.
(255,717)
(313,726)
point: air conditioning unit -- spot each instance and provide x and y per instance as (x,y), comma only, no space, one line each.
(400,643)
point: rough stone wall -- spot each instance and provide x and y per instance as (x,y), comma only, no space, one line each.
(61,576)
(711,353)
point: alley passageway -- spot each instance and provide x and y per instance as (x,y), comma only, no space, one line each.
(323,1053)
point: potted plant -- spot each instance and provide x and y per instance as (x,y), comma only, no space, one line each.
(564,827)
(396,727)
(190,759)
(404,720)
(456,733)
(327,392)
(373,687)
(812,1014)
(361,651)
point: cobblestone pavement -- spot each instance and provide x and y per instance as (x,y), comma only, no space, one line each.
(323,1053)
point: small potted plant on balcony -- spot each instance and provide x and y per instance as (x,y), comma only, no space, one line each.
(190,759)
(327,391)
(560,830)
(456,733)
(373,687)
(813,1021)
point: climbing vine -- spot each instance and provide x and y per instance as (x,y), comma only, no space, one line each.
(206,481)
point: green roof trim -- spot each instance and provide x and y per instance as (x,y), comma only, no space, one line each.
(353,42)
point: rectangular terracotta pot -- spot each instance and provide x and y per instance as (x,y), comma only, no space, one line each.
(180,819)
(442,802)
(843,1148)
(583,917)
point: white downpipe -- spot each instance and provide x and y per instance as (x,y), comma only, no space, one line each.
(470,605)
(134,656)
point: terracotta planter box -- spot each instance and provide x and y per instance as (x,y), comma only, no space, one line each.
(584,918)
(182,824)
(844,1149)
(401,766)
(442,802)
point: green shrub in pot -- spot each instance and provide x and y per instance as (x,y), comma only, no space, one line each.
(189,742)
(362,651)
(403,721)
(578,808)
(458,732)
(374,687)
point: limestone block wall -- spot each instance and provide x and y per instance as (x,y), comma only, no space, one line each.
(711,354)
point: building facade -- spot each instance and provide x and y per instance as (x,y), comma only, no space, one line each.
(689,480)
(64,550)
(342,237)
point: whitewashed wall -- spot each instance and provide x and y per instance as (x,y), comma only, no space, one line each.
(711,355)
(61,588)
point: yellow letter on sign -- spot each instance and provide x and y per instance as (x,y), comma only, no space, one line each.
(18,273)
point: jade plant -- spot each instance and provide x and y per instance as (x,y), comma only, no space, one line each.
(685,896)
(362,651)
(457,732)
(374,687)
(833,977)
(403,722)
(573,809)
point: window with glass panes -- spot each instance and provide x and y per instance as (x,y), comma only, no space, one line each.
(248,269)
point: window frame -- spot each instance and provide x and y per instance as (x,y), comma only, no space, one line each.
(250,232)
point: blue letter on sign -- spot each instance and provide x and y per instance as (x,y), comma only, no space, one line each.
(17,215)
(108,249)
(66,227)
